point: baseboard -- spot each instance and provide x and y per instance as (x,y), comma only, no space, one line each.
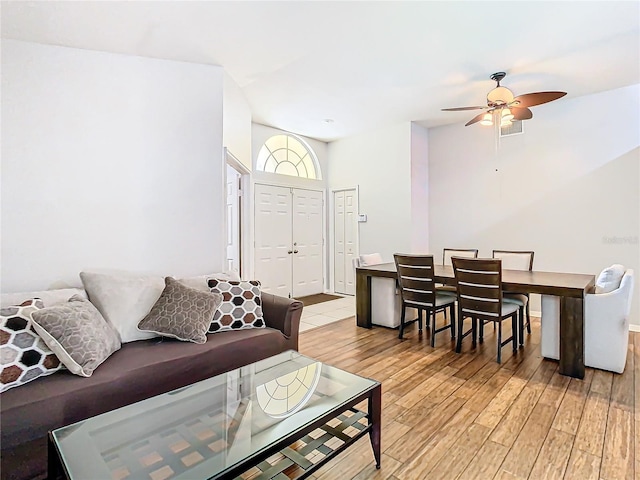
(632,327)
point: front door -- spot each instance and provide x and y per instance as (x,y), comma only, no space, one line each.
(307,242)
(289,240)
(273,230)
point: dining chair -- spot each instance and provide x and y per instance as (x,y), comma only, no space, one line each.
(479,286)
(517,260)
(447,253)
(417,288)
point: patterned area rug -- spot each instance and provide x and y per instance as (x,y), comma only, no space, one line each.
(317,298)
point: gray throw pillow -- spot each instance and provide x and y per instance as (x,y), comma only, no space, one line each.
(182,312)
(77,333)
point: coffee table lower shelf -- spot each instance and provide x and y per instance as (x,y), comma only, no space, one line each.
(299,454)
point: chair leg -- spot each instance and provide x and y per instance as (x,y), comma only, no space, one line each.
(474,331)
(460,325)
(514,323)
(499,342)
(420,320)
(528,318)
(481,335)
(521,322)
(452,312)
(402,321)
(431,315)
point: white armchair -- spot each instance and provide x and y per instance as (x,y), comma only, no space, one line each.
(606,326)
(386,302)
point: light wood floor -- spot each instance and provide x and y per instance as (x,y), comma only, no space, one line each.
(448,415)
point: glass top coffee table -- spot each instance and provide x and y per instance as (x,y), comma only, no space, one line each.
(285,415)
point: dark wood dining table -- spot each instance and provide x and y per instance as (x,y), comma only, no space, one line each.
(570,287)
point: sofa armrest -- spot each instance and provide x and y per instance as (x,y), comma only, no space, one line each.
(282,314)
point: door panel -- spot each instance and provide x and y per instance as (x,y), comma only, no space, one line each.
(273,230)
(350,239)
(339,250)
(233,220)
(307,243)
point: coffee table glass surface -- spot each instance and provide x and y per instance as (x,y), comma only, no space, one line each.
(210,428)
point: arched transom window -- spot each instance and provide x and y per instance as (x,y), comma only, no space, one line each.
(288,155)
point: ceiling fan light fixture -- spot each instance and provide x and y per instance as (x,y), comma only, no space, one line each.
(487,119)
(500,96)
(507,116)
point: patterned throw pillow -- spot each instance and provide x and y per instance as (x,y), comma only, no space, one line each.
(23,354)
(241,306)
(182,312)
(77,333)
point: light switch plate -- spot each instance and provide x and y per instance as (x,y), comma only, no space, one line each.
(362,217)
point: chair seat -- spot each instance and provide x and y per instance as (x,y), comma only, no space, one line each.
(509,308)
(519,299)
(443,299)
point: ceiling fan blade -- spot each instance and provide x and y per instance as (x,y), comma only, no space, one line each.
(537,98)
(459,109)
(475,119)
(521,113)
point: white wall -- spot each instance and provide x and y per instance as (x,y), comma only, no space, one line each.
(379,162)
(236,123)
(419,189)
(567,188)
(108,161)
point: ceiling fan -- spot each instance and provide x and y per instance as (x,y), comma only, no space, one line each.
(504,107)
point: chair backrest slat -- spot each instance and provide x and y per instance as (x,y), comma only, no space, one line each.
(415,277)
(447,253)
(479,285)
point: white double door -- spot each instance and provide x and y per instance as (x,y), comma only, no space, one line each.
(289,240)
(345,228)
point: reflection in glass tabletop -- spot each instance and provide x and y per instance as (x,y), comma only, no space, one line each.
(205,429)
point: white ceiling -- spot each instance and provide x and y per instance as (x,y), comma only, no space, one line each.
(362,64)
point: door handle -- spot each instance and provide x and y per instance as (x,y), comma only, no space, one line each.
(290,252)
(295,251)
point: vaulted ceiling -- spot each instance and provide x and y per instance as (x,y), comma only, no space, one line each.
(360,64)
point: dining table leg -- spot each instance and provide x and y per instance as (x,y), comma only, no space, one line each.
(572,337)
(363,300)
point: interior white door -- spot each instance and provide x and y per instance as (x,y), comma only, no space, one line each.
(338,243)
(233,219)
(307,242)
(273,231)
(345,240)
(350,240)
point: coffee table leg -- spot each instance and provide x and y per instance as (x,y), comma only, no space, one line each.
(375,411)
(53,462)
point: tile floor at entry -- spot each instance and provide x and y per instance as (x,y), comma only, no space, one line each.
(321,314)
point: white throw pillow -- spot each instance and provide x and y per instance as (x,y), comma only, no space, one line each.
(610,278)
(48,297)
(124,299)
(200,282)
(371,259)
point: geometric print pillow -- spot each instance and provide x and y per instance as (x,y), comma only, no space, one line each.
(241,306)
(23,354)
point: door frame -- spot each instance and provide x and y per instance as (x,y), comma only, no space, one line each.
(332,245)
(246,219)
(324,224)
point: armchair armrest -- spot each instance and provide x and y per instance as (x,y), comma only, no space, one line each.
(282,314)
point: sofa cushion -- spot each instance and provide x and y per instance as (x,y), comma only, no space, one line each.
(48,297)
(23,354)
(124,299)
(241,306)
(610,278)
(182,312)
(77,334)
(137,371)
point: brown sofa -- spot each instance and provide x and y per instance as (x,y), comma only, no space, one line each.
(137,371)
